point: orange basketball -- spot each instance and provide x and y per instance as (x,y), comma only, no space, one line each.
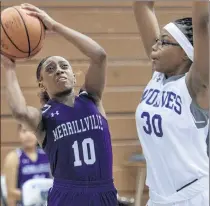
(22,36)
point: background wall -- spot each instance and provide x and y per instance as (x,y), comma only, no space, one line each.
(112,25)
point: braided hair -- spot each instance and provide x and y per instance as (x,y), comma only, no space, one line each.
(44,97)
(185,25)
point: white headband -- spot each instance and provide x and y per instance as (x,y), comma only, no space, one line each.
(181,39)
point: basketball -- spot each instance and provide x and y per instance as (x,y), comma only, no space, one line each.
(22,36)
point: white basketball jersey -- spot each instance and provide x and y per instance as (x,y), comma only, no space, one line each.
(173,133)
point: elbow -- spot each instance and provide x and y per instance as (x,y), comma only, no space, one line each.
(204,21)
(101,55)
(19,115)
(10,195)
(138,5)
(14,194)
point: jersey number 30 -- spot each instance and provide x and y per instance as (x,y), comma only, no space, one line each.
(88,159)
(152,124)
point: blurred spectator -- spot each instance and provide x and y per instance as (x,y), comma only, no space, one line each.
(22,164)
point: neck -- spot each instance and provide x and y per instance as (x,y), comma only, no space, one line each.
(184,68)
(66,97)
(30,149)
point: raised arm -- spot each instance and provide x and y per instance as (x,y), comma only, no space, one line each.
(198,77)
(29,116)
(147,23)
(95,77)
(11,172)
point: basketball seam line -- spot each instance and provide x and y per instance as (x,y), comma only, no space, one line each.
(11,40)
(39,38)
(29,45)
(9,55)
(36,52)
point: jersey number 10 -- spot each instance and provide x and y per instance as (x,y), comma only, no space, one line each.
(85,144)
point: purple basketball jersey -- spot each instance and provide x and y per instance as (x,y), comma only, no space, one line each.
(77,140)
(29,169)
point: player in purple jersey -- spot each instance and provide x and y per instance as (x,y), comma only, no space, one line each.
(71,128)
(23,164)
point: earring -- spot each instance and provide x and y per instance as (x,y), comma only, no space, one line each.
(43,89)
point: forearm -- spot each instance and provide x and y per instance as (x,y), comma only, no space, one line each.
(201,14)
(144,11)
(149,31)
(11,202)
(85,44)
(14,94)
(14,195)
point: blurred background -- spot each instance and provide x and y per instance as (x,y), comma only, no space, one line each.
(112,25)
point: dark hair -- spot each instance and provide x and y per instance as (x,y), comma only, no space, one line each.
(44,97)
(185,25)
(19,127)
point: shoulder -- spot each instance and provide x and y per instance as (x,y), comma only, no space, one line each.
(47,107)
(88,97)
(12,158)
(157,77)
(40,151)
(19,152)
(83,94)
(157,74)
(11,164)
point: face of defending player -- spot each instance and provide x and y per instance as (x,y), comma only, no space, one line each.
(57,75)
(167,56)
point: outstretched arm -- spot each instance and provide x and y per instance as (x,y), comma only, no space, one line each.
(198,77)
(147,23)
(95,77)
(29,116)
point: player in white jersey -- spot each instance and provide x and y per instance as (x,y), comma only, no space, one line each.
(172,119)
